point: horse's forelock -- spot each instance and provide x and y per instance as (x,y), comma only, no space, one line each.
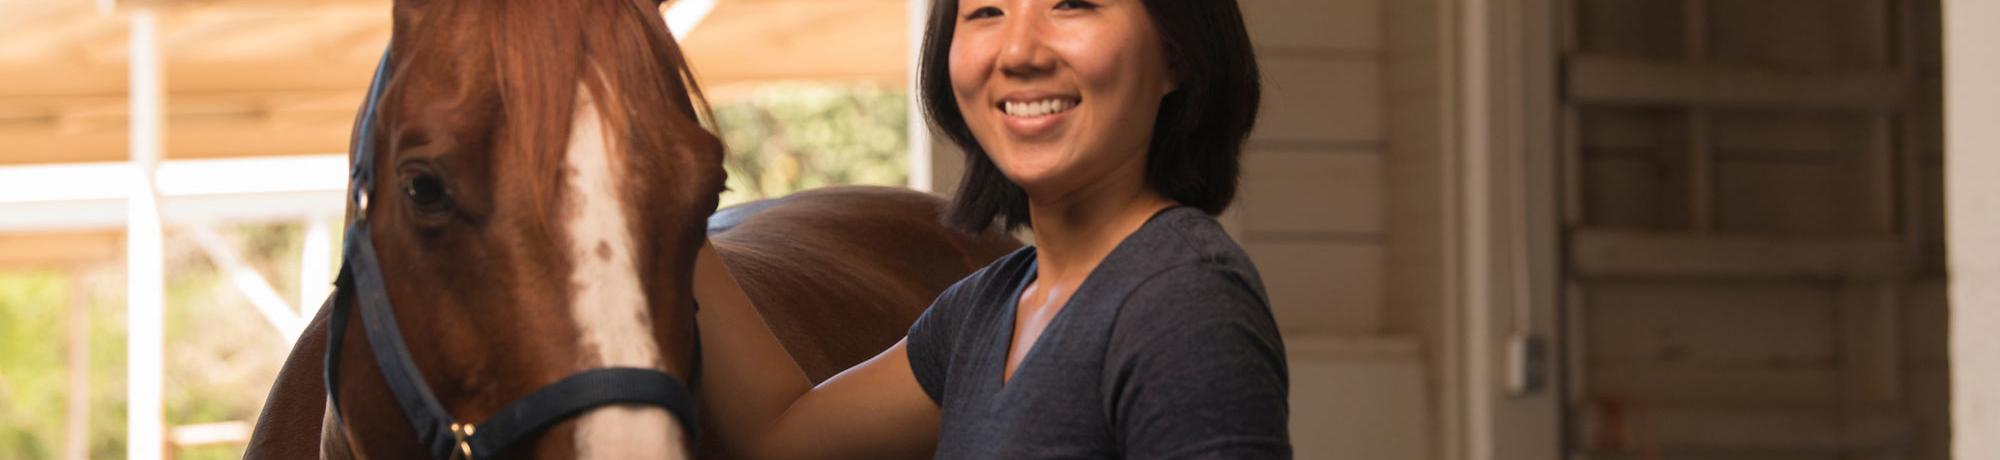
(646,107)
(537,67)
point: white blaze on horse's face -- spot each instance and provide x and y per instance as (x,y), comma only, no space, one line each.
(608,300)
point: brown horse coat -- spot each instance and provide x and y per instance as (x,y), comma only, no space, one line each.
(838,273)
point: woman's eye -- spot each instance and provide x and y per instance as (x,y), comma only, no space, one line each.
(427,192)
(982,13)
(1075,5)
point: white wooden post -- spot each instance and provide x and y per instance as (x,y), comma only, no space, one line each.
(1972,156)
(145,266)
(315,267)
(919,132)
(76,432)
(934,164)
(1502,179)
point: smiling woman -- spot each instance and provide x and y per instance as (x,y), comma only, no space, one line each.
(1135,327)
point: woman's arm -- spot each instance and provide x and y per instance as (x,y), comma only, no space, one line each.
(762,406)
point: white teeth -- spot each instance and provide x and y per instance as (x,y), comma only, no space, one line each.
(1037,108)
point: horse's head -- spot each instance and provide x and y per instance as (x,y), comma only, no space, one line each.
(540,188)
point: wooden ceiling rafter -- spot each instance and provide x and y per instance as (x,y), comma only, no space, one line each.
(239,72)
(58,36)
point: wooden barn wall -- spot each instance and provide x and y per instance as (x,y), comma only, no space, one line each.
(1312,214)
(1311,205)
(1754,229)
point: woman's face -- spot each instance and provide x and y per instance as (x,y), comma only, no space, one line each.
(1061,93)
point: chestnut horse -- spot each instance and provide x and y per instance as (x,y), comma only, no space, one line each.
(539,184)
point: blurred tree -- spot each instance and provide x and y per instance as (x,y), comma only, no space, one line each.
(788,137)
(32,376)
(220,356)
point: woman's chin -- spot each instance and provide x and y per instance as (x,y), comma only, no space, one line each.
(1035,169)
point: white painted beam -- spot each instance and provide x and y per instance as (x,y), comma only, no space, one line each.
(685,15)
(252,285)
(91,196)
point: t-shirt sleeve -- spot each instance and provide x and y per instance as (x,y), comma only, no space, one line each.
(930,339)
(1196,369)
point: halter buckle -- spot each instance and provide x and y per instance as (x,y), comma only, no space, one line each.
(461,433)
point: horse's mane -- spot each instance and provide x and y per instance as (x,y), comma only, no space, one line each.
(628,62)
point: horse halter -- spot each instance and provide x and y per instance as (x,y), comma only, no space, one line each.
(361,283)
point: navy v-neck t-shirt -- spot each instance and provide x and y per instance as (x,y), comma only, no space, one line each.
(1167,350)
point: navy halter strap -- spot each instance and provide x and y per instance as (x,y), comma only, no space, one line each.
(361,284)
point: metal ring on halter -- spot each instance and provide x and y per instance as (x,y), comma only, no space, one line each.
(462,432)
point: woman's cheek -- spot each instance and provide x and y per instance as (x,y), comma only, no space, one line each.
(970,64)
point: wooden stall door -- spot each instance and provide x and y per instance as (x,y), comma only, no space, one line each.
(1751,229)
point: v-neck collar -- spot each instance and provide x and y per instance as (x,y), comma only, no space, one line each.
(999,377)
(1012,319)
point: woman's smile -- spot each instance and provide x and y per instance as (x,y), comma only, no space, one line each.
(1036,115)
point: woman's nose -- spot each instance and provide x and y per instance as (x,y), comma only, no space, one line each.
(1023,52)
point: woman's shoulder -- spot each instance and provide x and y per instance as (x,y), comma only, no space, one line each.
(964,308)
(988,285)
(1184,245)
(1183,269)
(997,276)
(1195,292)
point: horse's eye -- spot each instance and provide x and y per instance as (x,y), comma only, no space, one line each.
(427,192)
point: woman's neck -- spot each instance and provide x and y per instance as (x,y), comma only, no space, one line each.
(1076,231)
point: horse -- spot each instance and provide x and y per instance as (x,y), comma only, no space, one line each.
(533,180)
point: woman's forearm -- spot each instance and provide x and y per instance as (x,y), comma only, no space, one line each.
(748,377)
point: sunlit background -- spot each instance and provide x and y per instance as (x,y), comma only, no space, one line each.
(255,104)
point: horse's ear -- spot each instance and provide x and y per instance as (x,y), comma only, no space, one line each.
(408,13)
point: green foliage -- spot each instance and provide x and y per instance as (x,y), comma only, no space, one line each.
(220,356)
(34,379)
(790,137)
(31,370)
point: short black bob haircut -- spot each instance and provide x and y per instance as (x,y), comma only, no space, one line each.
(1197,137)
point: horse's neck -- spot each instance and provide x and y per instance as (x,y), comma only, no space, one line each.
(840,274)
(333,436)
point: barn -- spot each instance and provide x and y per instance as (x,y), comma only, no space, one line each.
(1532,229)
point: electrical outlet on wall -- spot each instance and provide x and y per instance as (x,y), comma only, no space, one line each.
(1527,359)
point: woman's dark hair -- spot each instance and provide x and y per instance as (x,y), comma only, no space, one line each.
(1197,136)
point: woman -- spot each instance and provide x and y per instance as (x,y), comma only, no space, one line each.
(1134,328)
